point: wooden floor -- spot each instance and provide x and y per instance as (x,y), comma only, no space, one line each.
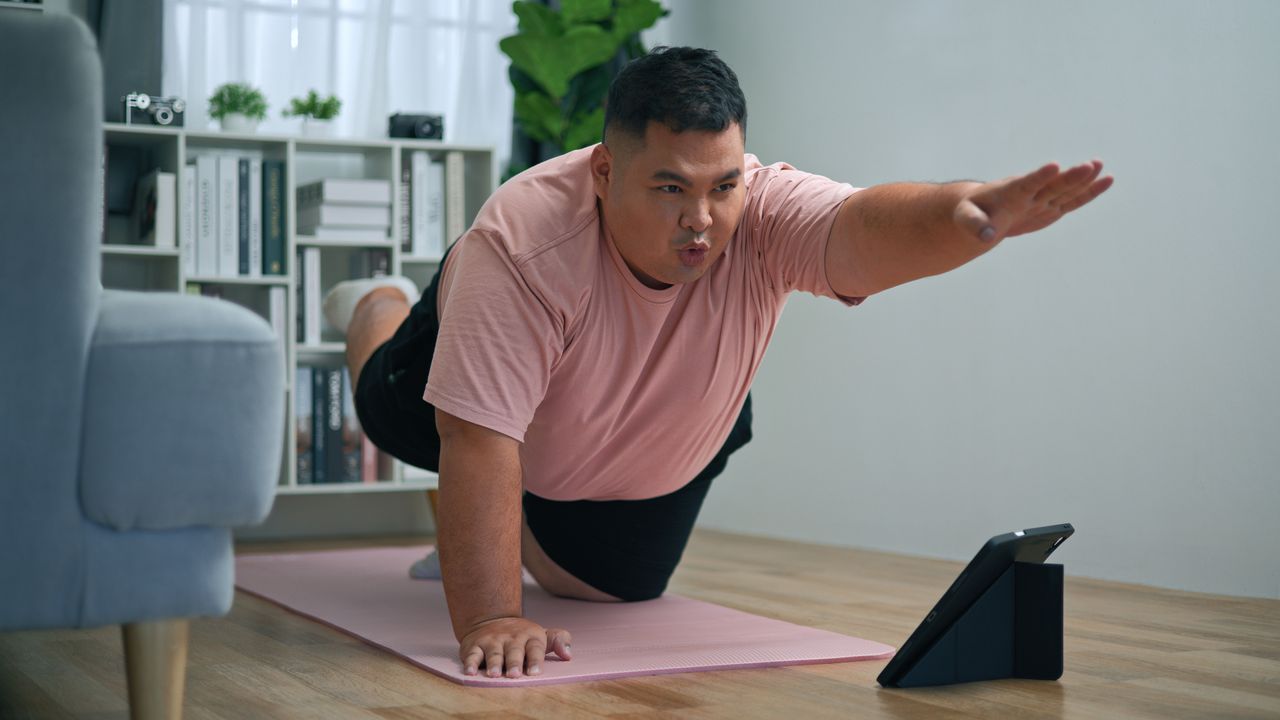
(1131,652)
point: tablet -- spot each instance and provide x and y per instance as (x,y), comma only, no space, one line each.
(996,556)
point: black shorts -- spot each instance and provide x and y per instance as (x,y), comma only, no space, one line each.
(626,548)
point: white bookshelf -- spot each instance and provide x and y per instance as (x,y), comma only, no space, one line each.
(140,148)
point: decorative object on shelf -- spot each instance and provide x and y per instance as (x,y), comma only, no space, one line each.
(144,109)
(561,65)
(238,106)
(317,113)
(422,127)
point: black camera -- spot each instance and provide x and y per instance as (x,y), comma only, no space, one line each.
(144,109)
(427,127)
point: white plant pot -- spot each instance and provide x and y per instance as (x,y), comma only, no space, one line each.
(239,123)
(317,128)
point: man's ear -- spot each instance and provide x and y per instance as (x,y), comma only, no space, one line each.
(602,169)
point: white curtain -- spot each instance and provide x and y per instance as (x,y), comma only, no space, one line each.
(378,56)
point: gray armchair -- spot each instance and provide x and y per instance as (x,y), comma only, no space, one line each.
(136,429)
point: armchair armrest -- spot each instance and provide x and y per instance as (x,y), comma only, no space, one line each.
(183,415)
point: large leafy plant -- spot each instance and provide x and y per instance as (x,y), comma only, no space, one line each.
(560,64)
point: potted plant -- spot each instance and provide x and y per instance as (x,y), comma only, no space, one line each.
(561,65)
(238,106)
(317,113)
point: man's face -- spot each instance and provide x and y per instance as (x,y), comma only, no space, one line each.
(672,202)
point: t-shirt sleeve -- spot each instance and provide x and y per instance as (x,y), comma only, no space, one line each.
(498,340)
(788,220)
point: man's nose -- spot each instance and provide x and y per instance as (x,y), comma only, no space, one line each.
(697,216)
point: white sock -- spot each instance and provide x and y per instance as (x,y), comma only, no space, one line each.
(428,568)
(340,302)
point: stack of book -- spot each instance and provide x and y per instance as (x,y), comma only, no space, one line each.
(345,210)
(432,202)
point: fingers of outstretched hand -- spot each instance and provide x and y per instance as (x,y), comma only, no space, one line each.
(1094,189)
(514,650)
(1035,181)
(1067,183)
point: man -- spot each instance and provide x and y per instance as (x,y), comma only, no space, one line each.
(585,352)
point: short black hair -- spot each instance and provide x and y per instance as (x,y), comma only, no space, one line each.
(683,88)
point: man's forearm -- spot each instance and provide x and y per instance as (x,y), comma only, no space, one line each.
(479,525)
(887,235)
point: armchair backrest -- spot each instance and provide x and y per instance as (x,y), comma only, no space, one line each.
(50,226)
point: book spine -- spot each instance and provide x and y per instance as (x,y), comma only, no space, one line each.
(300,298)
(335,472)
(434,246)
(311,259)
(228,218)
(187,231)
(302,408)
(207,216)
(242,217)
(455,206)
(255,217)
(277,312)
(166,210)
(368,459)
(319,433)
(406,212)
(352,463)
(273,217)
(420,161)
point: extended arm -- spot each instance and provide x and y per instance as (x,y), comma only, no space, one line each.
(887,235)
(479,537)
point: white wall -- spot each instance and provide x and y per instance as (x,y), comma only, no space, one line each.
(1120,371)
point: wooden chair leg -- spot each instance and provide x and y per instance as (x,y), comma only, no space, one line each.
(155,656)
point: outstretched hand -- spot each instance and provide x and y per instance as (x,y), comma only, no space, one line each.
(1022,204)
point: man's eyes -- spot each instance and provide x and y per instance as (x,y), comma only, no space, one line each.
(674,189)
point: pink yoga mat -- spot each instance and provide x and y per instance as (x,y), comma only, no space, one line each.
(368,593)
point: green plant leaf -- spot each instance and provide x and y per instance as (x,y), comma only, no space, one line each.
(539,117)
(237,98)
(583,11)
(632,16)
(553,61)
(520,80)
(584,130)
(537,19)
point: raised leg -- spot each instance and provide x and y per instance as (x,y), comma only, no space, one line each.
(155,657)
(376,318)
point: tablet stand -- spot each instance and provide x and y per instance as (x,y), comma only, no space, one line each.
(1013,630)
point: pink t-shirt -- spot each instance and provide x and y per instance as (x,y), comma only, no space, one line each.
(616,390)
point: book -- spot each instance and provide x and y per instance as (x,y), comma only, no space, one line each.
(309,304)
(334,464)
(154,210)
(406,209)
(302,408)
(375,262)
(228,193)
(433,243)
(187,227)
(206,216)
(242,217)
(352,445)
(346,234)
(319,430)
(255,217)
(420,164)
(344,191)
(368,459)
(455,205)
(276,312)
(377,216)
(299,298)
(273,225)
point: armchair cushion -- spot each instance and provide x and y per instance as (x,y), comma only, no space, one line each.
(174,382)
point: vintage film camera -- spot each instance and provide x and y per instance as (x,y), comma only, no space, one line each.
(144,109)
(429,127)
